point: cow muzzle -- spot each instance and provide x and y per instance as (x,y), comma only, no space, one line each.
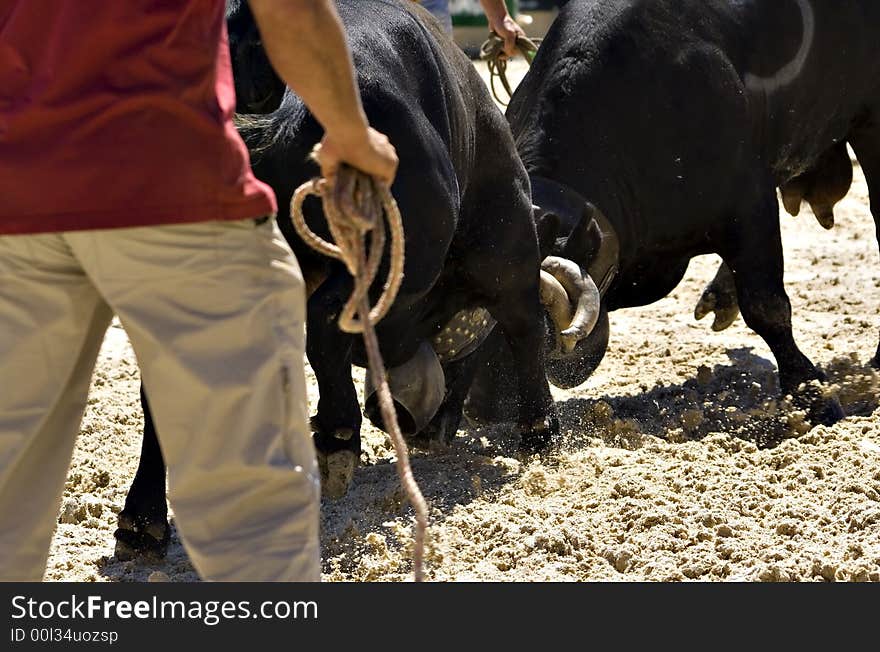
(418,388)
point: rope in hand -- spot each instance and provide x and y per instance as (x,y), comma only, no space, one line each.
(354,207)
(492,52)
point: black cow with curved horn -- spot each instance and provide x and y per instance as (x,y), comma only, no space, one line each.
(670,123)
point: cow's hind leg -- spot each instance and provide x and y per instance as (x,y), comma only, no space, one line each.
(756,261)
(336,425)
(143,522)
(440,432)
(866,144)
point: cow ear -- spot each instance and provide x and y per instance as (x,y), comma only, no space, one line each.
(547,225)
(585,239)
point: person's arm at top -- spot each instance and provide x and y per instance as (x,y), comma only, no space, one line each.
(306,44)
(501,22)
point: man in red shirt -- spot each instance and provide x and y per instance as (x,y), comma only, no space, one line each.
(126,189)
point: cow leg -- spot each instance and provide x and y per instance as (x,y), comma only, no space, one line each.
(143,522)
(719,297)
(440,432)
(506,275)
(521,318)
(492,394)
(866,144)
(337,423)
(512,299)
(756,260)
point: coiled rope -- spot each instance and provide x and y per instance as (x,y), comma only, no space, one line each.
(492,52)
(354,207)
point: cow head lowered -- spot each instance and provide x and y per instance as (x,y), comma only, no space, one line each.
(573,305)
(581,251)
(576,335)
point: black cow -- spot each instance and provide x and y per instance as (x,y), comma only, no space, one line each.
(472,255)
(672,122)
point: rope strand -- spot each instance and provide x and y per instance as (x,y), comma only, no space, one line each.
(354,208)
(492,52)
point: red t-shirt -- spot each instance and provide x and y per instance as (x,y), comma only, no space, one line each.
(118,113)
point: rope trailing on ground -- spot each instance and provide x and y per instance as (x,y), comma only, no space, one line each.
(492,52)
(354,207)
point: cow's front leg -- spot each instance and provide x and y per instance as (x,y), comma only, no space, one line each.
(521,319)
(719,297)
(143,522)
(336,425)
(757,264)
(492,395)
(866,144)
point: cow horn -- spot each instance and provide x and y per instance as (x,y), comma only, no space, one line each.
(583,292)
(555,299)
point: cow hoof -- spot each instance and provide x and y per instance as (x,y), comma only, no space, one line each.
(538,436)
(875,361)
(338,452)
(725,308)
(482,410)
(438,435)
(826,412)
(137,537)
(724,317)
(705,305)
(821,410)
(432,442)
(337,472)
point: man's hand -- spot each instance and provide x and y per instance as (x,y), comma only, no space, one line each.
(373,154)
(502,24)
(508,29)
(307,46)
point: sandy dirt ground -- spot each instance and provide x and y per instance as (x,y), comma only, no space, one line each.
(679,460)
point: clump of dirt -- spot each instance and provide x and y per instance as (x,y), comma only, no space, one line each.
(857,385)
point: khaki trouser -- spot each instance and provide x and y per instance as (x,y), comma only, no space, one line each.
(215,313)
